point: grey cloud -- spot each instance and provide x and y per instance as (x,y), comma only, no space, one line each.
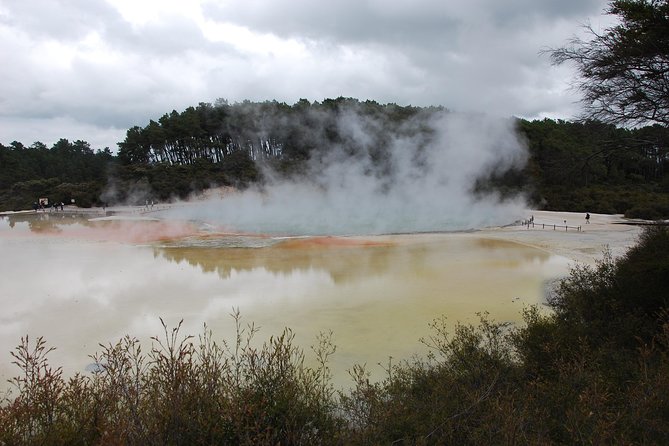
(420,22)
(480,53)
(520,13)
(346,21)
(164,39)
(59,19)
(171,36)
(72,20)
(151,76)
(477,55)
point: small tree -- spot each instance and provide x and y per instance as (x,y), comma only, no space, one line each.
(624,72)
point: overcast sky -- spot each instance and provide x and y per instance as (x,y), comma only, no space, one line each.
(91,69)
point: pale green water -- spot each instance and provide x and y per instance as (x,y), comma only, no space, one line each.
(77,289)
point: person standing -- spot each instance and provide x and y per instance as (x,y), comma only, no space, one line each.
(587,218)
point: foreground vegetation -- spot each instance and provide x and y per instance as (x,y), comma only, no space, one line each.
(595,370)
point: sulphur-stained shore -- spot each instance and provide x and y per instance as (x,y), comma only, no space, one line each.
(567,234)
(557,233)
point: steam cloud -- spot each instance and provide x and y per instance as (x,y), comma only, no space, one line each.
(421,184)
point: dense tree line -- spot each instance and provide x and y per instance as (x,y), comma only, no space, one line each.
(66,171)
(597,167)
(268,131)
(578,166)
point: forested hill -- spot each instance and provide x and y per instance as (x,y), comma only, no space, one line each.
(585,166)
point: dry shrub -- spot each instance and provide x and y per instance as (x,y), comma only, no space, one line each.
(184,391)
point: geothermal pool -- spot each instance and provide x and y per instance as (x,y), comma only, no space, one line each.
(80,283)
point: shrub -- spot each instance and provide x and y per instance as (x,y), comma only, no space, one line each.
(185,391)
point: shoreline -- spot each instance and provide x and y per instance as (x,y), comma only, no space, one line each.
(604,232)
(554,232)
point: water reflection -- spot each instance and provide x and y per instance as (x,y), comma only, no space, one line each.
(43,222)
(376,294)
(340,265)
(402,255)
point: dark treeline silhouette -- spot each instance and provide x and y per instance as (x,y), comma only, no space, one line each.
(66,171)
(574,166)
(266,130)
(581,166)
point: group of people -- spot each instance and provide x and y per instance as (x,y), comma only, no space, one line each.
(530,220)
(44,206)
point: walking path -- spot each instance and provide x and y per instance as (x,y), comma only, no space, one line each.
(612,232)
(93,211)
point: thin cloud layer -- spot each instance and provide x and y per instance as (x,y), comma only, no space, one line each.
(90,69)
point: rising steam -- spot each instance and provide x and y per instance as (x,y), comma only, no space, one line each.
(422,181)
